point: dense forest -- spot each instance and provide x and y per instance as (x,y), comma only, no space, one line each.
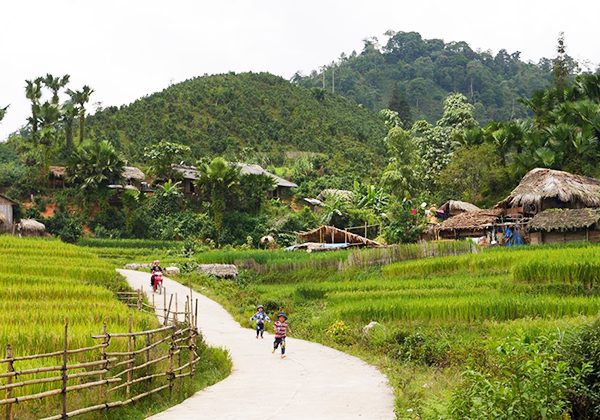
(422,72)
(257,118)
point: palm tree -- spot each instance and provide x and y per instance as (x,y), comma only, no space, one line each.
(33,92)
(217,182)
(68,114)
(81,97)
(55,84)
(95,165)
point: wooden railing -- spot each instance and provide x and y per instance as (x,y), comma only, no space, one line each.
(152,362)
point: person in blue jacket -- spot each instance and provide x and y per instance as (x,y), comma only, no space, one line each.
(260,317)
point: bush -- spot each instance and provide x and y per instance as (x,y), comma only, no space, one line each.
(65,226)
(582,353)
(416,347)
(527,380)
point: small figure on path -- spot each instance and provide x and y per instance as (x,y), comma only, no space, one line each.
(281,327)
(156,268)
(260,316)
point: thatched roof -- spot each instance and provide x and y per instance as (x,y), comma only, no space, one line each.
(8,199)
(455,207)
(331,234)
(540,183)
(131,172)
(564,219)
(57,172)
(219,270)
(479,219)
(252,169)
(31,225)
(187,172)
(335,193)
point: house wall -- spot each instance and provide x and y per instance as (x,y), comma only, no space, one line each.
(569,236)
(6,209)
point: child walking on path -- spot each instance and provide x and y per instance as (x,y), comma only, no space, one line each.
(260,316)
(281,327)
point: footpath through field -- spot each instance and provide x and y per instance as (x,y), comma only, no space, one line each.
(313,382)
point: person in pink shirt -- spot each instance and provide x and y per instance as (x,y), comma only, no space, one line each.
(281,328)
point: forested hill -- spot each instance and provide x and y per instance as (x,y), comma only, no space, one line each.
(424,71)
(253,117)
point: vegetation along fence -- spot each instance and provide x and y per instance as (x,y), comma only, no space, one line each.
(121,368)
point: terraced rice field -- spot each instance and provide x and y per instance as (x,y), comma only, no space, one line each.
(43,282)
(436,313)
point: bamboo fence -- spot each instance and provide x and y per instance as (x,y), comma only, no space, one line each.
(152,363)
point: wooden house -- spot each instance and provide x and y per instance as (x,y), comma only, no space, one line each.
(188,175)
(472,224)
(565,225)
(7,213)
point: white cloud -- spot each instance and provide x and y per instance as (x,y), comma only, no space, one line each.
(127,49)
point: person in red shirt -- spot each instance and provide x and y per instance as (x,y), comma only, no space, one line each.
(281,327)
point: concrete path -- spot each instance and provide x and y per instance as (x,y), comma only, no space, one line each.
(313,382)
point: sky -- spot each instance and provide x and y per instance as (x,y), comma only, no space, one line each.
(125,49)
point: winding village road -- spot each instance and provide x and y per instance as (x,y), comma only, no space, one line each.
(313,382)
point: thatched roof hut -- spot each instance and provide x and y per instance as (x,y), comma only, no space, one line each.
(335,193)
(541,189)
(474,223)
(133,173)
(57,172)
(252,169)
(333,235)
(454,207)
(564,219)
(187,172)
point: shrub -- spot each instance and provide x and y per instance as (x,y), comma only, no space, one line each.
(418,348)
(65,226)
(340,333)
(582,353)
(526,380)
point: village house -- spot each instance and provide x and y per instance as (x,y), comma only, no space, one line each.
(7,213)
(565,225)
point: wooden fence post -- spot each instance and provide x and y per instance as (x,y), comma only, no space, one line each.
(165,304)
(103,389)
(64,371)
(129,350)
(171,375)
(148,356)
(139,299)
(10,368)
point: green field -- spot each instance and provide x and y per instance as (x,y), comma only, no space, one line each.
(440,317)
(45,283)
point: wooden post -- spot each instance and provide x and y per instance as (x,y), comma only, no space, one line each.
(171,375)
(148,356)
(129,349)
(139,299)
(103,389)
(165,304)
(176,309)
(167,311)
(10,368)
(64,372)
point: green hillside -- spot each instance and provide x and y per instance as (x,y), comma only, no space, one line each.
(251,117)
(424,71)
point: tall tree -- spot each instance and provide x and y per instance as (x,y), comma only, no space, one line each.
(217,182)
(68,114)
(55,84)
(33,92)
(560,71)
(160,157)
(81,97)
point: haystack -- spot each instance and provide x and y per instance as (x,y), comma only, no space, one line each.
(31,227)
(542,188)
(454,207)
(219,270)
